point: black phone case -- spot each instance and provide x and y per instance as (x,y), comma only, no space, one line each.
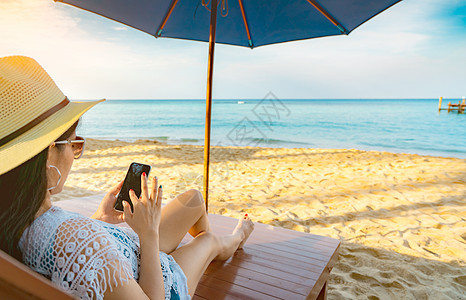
(132,181)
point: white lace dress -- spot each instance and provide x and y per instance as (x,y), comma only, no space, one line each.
(85,257)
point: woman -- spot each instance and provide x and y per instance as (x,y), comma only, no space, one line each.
(90,257)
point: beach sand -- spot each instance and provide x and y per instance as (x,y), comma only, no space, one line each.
(401,218)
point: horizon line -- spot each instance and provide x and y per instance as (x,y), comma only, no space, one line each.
(243,99)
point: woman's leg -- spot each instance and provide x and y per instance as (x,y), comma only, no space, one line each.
(185,213)
(195,256)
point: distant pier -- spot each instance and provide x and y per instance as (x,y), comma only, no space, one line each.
(460,107)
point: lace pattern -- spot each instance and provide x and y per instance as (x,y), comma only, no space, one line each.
(86,257)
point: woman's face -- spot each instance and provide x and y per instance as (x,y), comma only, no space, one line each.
(62,157)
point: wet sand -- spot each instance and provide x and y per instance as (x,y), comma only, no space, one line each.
(401,217)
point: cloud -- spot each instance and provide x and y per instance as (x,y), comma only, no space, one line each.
(397,54)
(411,50)
(90,63)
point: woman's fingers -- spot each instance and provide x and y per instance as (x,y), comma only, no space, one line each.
(134,199)
(153,195)
(145,218)
(116,188)
(144,188)
(158,201)
(127,214)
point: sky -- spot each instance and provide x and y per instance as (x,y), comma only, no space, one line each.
(416,49)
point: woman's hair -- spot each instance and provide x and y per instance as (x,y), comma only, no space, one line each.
(22,192)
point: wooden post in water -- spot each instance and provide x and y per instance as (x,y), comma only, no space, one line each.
(449,106)
(440,103)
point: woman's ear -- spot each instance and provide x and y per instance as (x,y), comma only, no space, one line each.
(50,154)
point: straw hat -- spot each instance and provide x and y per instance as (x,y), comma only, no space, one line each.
(33,111)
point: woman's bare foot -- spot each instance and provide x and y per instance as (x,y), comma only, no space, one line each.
(228,244)
(245,227)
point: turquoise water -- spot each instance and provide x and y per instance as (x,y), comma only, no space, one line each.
(395,125)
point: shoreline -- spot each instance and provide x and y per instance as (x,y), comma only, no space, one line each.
(400,217)
(179,142)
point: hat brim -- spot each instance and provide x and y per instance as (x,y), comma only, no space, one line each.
(31,143)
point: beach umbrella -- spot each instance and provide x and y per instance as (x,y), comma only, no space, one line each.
(248,23)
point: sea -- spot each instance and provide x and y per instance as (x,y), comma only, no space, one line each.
(394,125)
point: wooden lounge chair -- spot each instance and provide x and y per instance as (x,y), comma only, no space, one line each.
(275,263)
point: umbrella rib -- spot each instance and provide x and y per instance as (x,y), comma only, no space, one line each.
(328,16)
(172,7)
(245,23)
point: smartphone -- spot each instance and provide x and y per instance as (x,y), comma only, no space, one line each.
(132,181)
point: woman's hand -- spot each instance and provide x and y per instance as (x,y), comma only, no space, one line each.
(145,219)
(106,212)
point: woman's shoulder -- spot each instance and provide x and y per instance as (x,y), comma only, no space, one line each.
(45,227)
(54,216)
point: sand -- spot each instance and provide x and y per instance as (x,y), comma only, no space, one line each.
(401,217)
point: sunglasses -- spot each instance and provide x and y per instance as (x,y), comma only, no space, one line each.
(77,145)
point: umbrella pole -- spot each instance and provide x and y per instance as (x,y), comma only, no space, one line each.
(210,70)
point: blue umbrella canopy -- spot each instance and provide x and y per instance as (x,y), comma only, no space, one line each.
(249,23)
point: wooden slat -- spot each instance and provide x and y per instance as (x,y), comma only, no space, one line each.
(251,283)
(276,263)
(259,265)
(265,264)
(291,252)
(280,282)
(285,262)
(235,290)
(212,293)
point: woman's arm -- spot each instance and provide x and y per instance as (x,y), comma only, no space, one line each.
(150,272)
(145,222)
(150,277)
